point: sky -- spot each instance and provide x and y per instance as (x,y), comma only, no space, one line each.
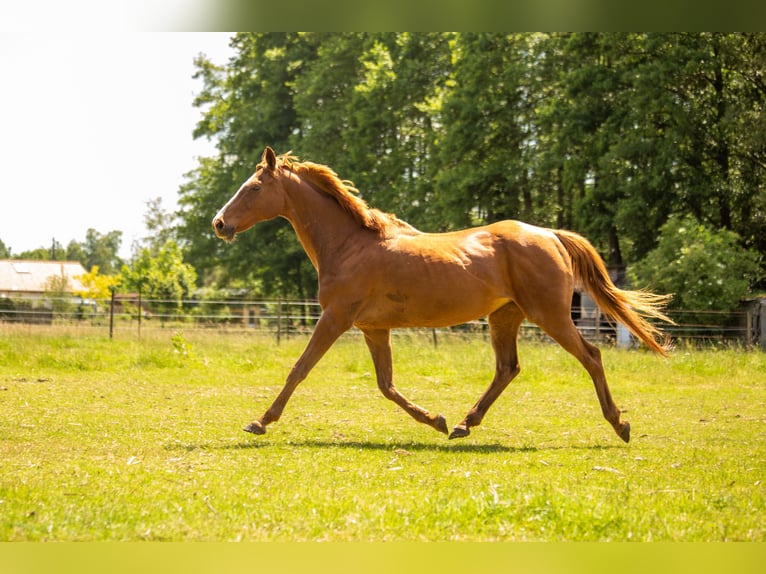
(94,124)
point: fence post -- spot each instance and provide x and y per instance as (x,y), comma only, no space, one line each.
(279,320)
(111,314)
(762,326)
(140,311)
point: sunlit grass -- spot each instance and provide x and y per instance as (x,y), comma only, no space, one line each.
(128,440)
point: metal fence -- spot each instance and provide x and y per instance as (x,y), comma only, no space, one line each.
(127,315)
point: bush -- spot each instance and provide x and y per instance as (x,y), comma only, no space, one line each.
(705,269)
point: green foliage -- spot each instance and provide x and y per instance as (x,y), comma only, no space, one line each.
(209,306)
(53,253)
(483,152)
(59,288)
(98,250)
(102,249)
(262,70)
(163,276)
(705,269)
(181,346)
(159,223)
(608,134)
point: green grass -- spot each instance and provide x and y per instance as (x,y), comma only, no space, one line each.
(121,440)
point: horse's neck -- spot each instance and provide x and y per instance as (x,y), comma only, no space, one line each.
(321,224)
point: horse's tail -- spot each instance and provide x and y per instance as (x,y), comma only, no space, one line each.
(631,308)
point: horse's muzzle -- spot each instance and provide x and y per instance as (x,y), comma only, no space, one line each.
(223,231)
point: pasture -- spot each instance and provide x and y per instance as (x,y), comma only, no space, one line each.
(129,441)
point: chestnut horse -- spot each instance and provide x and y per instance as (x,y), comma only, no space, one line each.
(377,273)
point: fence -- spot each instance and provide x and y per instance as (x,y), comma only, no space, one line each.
(129,315)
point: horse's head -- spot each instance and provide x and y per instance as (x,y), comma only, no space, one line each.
(258,199)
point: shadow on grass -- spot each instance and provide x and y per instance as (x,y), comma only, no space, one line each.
(491,448)
(391,446)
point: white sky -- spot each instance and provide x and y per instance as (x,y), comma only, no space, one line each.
(92,125)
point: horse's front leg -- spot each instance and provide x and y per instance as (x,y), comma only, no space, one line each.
(379,344)
(504,326)
(329,327)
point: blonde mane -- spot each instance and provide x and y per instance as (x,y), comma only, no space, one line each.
(327,181)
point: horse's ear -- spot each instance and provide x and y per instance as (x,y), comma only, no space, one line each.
(269,158)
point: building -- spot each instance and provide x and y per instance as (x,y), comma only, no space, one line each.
(32,279)
(31,291)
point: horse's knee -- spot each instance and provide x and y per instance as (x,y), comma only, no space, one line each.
(593,352)
(389,391)
(506,372)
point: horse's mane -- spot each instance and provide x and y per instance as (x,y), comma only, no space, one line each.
(327,181)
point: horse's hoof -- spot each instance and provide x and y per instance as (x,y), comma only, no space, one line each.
(255,427)
(441,424)
(625,432)
(459,432)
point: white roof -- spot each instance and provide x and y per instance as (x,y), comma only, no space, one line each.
(26,276)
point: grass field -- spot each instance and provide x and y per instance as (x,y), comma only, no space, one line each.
(121,440)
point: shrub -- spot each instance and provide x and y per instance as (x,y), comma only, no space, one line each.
(705,269)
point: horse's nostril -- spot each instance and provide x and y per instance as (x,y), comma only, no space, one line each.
(222,230)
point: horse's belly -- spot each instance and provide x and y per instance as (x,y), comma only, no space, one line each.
(402,317)
(440,305)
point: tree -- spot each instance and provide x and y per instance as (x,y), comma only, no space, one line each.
(75,251)
(59,288)
(582,128)
(483,151)
(162,276)
(102,250)
(249,105)
(160,224)
(638,127)
(321,94)
(687,144)
(393,121)
(53,253)
(97,286)
(5,252)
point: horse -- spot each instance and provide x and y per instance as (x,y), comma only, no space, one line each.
(377,273)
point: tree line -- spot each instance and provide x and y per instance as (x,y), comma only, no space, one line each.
(613,135)
(652,145)
(98,249)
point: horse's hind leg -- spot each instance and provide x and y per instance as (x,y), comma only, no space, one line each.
(565,333)
(504,327)
(379,344)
